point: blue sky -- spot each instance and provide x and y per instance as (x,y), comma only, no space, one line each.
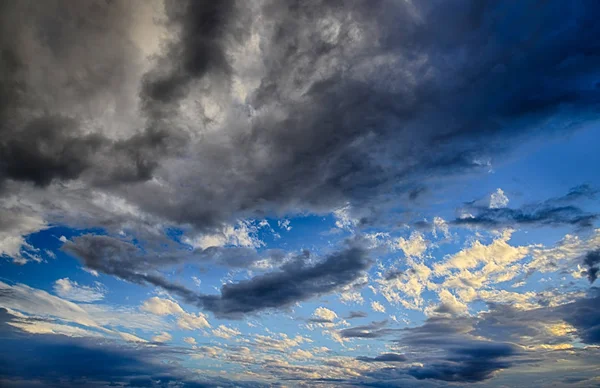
(266,194)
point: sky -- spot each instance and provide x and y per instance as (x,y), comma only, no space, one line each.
(361,193)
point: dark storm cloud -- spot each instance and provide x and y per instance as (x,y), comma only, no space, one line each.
(592,262)
(385,357)
(318,104)
(468,364)
(64,65)
(552,212)
(294,282)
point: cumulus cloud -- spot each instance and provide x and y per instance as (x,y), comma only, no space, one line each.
(162,337)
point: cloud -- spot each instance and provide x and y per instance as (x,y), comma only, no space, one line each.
(15,224)
(356,314)
(377,307)
(498,199)
(415,246)
(81,120)
(371,330)
(469,364)
(159,306)
(162,337)
(552,212)
(323,315)
(225,332)
(68,289)
(185,320)
(385,357)
(592,260)
(88,361)
(295,282)
(190,340)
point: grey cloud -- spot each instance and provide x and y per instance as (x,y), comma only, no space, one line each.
(293,282)
(372,330)
(255,109)
(592,261)
(471,363)
(385,357)
(584,315)
(552,212)
(357,314)
(340,103)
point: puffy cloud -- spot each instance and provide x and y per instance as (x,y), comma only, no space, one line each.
(301,354)
(377,307)
(415,246)
(162,337)
(498,199)
(190,340)
(159,306)
(322,314)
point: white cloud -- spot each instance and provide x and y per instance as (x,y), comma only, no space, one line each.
(351,297)
(300,354)
(440,225)
(378,307)
(282,343)
(344,220)
(158,306)
(498,199)
(68,289)
(13,241)
(494,257)
(225,332)
(54,314)
(565,254)
(243,234)
(162,337)
(325,314)
(415,246)
(284,224)
(196,281)
(192,321)
(190,340)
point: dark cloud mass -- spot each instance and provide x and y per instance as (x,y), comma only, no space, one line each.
(322,105)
